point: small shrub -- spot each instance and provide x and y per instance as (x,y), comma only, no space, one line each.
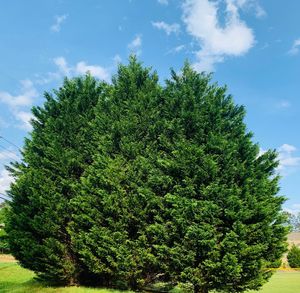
(294,257)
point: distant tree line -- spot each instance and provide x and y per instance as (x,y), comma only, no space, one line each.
(4,245)
(293,220)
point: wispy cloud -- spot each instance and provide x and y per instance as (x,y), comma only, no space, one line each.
(176,49)
(295,48)
(24,117)
(163,2)
(95,70)
(135,45)
(5,180)
(283,104)
(18,103)
(63,68)
(294,209)
(117,60)
(25,98)
(288,162)
(62,65)
(216,42)
(249,5)
(59,19)
(7,154)
(80,68)
(168,28)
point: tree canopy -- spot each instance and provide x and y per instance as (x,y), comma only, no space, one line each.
(127,183)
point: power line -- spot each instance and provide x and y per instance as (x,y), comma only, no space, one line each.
(10,142)
(11,154)
(4,198)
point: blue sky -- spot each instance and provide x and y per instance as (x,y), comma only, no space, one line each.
(252,46)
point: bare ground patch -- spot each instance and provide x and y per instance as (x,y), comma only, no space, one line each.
(7,258)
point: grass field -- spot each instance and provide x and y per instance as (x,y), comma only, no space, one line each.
(15,279)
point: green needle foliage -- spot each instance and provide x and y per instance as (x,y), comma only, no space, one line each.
(130,183)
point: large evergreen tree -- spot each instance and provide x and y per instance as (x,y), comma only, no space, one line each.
(128,183)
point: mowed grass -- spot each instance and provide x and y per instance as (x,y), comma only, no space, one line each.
(282,282)
(13,278)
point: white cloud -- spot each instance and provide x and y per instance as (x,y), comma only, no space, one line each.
(283,104)
(295,48)
(28,93)
(95,70)
(235,38)
(259,11)
(117,60)
(179,48)
(6,155)
(25,118)
(59,19)
(62,65)
(47,78)
(168,28)
(287,160)
(135,45)
(80,68)
(163,2)
(249,5)
(16,103)
(5,180)
(176,49)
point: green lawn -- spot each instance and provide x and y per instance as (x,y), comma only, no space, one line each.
(283,282)
(14,279)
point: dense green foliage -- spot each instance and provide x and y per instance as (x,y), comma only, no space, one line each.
(128,183)
(294,257)
(4,245)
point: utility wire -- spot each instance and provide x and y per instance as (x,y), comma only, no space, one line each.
(2,137)
(12,154)
(4,198)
